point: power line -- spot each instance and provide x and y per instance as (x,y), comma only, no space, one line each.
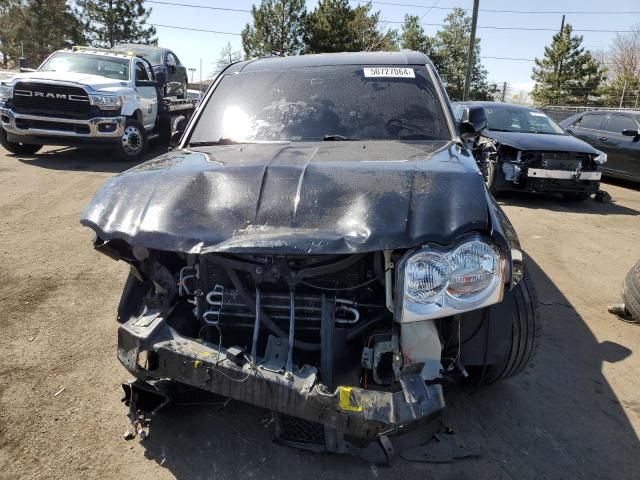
(190,5)
(527,12)
(194,29)
(509,58)
(495,27)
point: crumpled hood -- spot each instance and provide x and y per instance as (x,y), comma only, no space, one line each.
(96,82)
(338,197)
(541,142)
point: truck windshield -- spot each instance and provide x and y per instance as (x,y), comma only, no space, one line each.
(110,67)
(343,102)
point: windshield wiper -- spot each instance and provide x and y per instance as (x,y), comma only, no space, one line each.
(220,141)
(416,136)
(337,138)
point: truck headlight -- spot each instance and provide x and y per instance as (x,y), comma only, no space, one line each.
(601,159)
(106,102)
(436,282)
(6,92)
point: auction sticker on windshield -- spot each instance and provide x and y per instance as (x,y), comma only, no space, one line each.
(389,72)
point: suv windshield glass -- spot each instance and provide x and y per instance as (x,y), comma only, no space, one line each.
(110,67)
(507,119)
(330,103)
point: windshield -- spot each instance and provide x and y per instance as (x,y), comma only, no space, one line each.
(514,119)
(330,103)
(110,67)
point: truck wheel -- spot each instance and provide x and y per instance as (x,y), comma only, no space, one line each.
(631,292)
(492,176)
(133,142)
(19,148)
(185,87)
(523,336)
(576,197)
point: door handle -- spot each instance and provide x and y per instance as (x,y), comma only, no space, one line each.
(603,139)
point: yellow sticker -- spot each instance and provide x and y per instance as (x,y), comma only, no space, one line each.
(196,364)
(344,400)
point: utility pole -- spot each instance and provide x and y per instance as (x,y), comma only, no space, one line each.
(559,68)
(504,92)
(472,47)
(200,85)
(624,88)
(191,70)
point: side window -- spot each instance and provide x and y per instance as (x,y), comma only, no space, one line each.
(593,122)
(141,72)
(618,123)
(172,59)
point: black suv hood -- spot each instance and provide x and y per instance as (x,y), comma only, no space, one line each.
(296,198)
(541,142)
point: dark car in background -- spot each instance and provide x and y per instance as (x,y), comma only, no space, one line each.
(162,59)
(522,149)
(617,133)
(318,245)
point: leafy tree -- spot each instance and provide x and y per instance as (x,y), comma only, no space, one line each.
(329,27)
(227,56)
(412,36)
(369,34)
(10,20)
(451,55)
(622,61)
(567,74)
(277,29)
(109,22)
(45,26)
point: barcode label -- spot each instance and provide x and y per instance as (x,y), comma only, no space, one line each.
(389,72)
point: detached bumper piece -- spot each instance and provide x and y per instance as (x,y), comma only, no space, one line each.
(347,420)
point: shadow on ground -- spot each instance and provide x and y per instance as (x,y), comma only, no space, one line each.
(89,160)
(556,203)
(558,419)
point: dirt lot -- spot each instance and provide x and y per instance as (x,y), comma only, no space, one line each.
(575,413)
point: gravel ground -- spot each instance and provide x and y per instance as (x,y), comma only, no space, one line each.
(575,413)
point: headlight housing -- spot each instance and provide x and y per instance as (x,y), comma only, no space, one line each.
(106,102)
(436,282)
(6,92)
(601,159)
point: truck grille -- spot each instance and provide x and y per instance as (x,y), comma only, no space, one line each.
(51,100)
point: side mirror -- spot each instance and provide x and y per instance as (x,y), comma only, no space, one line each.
(172,69)
(473,121)
(630,132)
(160,74)
(178,129)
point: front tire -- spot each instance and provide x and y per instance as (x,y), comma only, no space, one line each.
(15,147)
(133,143)
(631,292)
(524,331)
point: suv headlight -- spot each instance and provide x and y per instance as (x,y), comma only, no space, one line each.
(601,159)
(437,282)
(6,92)
(106,102)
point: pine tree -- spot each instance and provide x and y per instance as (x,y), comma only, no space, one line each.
(451,54)
(369,36)
(10,19)
(45,26)
(328,27)
(412,36)
(277,29)
(567,74)
(110,22)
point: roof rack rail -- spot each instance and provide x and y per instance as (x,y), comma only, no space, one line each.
(84,48)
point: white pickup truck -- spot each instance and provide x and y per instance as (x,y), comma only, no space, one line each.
(88,97)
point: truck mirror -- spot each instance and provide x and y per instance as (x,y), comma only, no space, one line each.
(630,132)
(473,121)
(160,74)
(179,128)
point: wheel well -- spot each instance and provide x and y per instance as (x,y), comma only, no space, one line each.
(137,115)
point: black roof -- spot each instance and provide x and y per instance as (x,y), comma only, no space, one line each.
(635,113)
(327,59)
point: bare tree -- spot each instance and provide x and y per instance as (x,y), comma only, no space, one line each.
(227,56)
(623,57)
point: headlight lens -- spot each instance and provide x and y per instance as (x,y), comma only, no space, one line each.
(601,159)
(106,102)
(440,282)
(6,92)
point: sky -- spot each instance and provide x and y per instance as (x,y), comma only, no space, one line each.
(192,47)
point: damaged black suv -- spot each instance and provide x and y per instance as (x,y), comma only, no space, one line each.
(320,244)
